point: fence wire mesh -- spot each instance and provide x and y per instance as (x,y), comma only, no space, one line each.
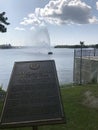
(85,67)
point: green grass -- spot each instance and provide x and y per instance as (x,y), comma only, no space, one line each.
(78,117)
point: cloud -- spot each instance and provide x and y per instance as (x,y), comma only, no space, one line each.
(32,19)
(97,5)
(93,20)
(20,29)
(32,28)
(62,12)
(66,12)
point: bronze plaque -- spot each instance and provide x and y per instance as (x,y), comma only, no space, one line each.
(33,95)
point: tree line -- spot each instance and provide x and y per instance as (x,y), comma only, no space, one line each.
(76,46)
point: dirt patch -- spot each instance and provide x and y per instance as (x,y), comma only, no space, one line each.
(90,100)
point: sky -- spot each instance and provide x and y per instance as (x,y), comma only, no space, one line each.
(54,22)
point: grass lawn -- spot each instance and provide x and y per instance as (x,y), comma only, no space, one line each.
(78,116)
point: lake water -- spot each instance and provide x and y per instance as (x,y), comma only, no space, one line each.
(63,59)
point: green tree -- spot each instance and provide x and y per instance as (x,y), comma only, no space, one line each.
(3,22)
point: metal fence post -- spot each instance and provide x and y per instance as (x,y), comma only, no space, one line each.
(74,78)
(81,43)
(94,51)
(34,128)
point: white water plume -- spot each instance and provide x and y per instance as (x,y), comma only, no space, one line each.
(42,37)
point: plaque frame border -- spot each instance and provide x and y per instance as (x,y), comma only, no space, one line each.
(60,120)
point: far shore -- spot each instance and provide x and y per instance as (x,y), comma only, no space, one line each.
(9,46)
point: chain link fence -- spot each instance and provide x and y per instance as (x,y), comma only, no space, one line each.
(85,66)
